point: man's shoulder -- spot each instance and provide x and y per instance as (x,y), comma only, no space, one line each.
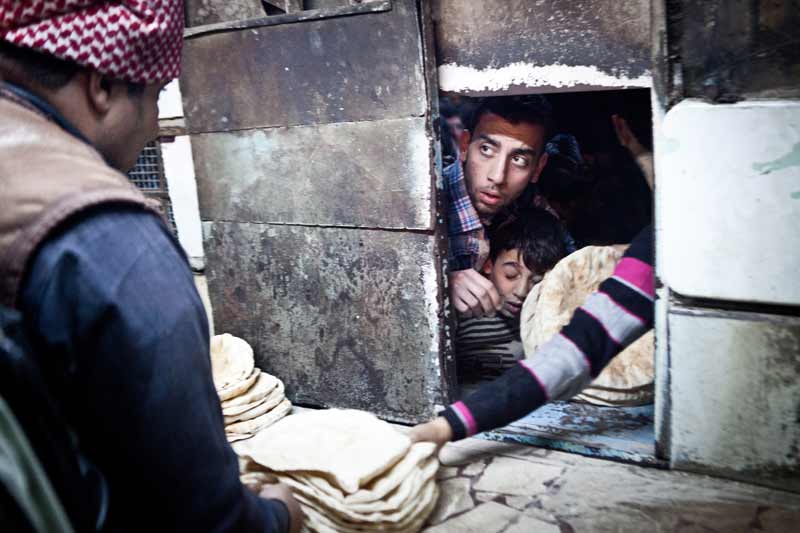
(111,239)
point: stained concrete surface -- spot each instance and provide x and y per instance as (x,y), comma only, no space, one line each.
(498,487)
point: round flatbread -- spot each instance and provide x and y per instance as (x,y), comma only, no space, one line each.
(393,508)
(237,389)
(231,360)
(358,447)
(628,379)
(274,397)
(258,423)
(263,385)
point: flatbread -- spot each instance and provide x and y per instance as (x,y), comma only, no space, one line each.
(264,384)
(273,398)
(393,508)
(236,437)
(628,379)
(239,388)
(231,360)
(380,487)
(320,521)
(258,423)
(358,447)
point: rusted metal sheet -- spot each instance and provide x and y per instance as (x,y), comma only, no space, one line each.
(735,392)
(347,318)
(199,12)
(370,174)
(333,70)
(616,433)
(513,46)
(733,49)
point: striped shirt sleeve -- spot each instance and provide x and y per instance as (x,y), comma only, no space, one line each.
(610,319)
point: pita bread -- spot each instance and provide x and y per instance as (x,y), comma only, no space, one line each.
(262,387)
(274,398)
(358,446)
(628,379)
(379,488)
(249,414)
(390,509)
(319,520)
(239,388)
(258,423)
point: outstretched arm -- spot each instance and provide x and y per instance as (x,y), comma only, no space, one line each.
(614,316)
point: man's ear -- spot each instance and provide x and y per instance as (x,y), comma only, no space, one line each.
(539,167)
(463,144)
(98,92)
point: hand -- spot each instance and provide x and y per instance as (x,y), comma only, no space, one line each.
(281,492)
(473,295)
(437,431)
(626,137)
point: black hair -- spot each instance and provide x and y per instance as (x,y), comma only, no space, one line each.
(532,108)
(538,235)
(564,178)
(45,70)
(448,109)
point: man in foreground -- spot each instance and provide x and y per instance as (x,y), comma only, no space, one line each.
(107,299)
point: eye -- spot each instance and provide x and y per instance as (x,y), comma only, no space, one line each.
(486,149)
(520,161)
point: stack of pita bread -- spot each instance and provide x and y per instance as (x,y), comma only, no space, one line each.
(251,399)
(628,379)
(349,471)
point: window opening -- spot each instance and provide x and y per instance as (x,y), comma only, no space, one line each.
(605,201)
(148,175)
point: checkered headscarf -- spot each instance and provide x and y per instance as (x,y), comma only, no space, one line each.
(131,40)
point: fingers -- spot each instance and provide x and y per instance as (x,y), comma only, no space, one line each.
(437,431)
(281,492)
(473,295)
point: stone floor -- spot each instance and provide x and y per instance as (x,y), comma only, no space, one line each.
(493,487)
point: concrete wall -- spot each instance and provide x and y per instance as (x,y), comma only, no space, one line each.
(516,46)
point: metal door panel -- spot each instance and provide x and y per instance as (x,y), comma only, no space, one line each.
(372,174)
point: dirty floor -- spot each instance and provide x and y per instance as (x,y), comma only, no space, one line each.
(493,487)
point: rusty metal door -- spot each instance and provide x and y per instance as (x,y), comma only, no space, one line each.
(313,148)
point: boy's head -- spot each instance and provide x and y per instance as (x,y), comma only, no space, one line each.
(523,249)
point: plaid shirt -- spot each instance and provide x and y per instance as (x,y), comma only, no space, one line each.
(468,243)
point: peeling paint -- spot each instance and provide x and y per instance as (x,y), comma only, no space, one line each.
(792,159)
(458,78)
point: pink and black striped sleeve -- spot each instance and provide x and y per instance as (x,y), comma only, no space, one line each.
(610,319)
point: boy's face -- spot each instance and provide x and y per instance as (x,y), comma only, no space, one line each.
(513,280)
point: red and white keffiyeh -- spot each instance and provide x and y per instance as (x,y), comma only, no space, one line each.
(132,40)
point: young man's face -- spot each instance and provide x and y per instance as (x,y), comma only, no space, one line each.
(513,280)
(500,160)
